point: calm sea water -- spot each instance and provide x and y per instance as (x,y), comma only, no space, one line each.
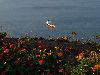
(28,16)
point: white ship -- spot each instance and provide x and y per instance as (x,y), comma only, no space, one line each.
(50,24)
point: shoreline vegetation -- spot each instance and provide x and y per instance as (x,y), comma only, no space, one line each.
(52,56)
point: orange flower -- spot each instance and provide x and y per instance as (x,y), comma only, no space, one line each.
(49,54)
(80,56)
(60,54)
(96,67)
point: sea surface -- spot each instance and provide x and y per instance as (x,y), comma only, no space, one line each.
(18,17)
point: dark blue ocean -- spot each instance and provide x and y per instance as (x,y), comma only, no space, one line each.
(19,17)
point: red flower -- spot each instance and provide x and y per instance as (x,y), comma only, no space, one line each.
(6,50)
(12,46)
(61,70)
(1,55)
(41,62)
(4,47)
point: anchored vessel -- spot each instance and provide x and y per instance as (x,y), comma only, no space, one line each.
(50,24)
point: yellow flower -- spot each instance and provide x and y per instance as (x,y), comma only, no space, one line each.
(49,54)
(80,56)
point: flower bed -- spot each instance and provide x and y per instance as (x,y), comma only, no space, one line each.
(40,56)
